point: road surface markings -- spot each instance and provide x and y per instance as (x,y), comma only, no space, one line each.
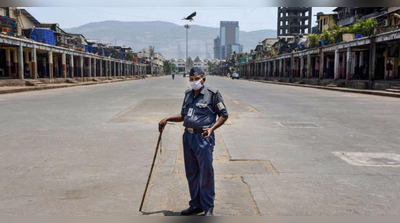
(370,159)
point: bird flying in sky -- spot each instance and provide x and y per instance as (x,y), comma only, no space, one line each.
(190,18)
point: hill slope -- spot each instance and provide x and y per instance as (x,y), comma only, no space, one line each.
(168,38)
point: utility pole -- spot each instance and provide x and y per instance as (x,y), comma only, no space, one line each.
(187,47)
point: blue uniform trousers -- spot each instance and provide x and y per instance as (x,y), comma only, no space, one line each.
(198,156)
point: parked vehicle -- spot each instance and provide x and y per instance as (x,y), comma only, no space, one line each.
(235,76)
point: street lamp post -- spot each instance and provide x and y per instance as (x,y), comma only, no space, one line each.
(187,31)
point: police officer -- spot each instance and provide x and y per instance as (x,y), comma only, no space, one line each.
(200,109)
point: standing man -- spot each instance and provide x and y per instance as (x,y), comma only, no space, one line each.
(199,115)
(173,75)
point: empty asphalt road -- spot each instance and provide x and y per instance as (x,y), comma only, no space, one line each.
(284,151)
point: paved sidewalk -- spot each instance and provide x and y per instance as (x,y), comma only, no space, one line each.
(352,90)
(16,89)
(342,89)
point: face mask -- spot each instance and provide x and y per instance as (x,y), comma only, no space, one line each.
(196,85)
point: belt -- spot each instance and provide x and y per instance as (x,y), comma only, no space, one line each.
(191,131)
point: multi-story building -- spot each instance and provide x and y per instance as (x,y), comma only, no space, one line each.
(294,20)
(325,21)
(181,64)
(144,54)
(203,64)
(351,15)
(234,48)
(22,17)
(158,59)
(268,46)
(229,36)
(217,47)
(393,18)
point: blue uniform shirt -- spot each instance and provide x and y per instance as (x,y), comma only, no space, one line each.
(201,111)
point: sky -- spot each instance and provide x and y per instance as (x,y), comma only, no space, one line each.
(250,19)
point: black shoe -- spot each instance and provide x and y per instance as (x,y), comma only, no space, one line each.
(191,210)
(209,212)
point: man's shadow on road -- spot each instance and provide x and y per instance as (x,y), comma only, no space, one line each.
(168,213)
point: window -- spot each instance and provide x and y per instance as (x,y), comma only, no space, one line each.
(325,21)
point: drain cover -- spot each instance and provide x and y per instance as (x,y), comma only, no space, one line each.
(299,124)
(370,159)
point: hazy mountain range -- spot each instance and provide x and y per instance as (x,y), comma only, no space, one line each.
(168,38)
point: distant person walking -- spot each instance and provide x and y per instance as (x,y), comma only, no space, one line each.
(173,76)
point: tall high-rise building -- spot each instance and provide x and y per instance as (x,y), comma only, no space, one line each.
(294,20)
(229,35)
(234,48)
(217,47)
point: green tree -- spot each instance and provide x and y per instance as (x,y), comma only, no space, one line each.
(169,67)
(337,32)
(211,66)
(369,27)
(313,40)
(129,56)
(365,28)
(190,63)
(172,66)
(326,35)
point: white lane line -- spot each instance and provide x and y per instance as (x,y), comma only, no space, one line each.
(119,99)
(146,89)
